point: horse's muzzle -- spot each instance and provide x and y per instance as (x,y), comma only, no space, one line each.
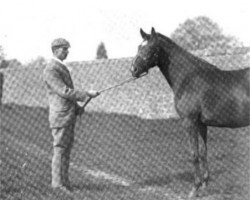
(134,71)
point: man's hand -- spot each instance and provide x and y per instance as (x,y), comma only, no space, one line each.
(93,93)
(81,110)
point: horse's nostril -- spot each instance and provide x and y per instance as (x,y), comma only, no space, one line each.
(133,69)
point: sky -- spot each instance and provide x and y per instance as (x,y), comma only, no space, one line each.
(27,27)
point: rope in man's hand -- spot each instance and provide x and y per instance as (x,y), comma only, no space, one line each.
(109,88)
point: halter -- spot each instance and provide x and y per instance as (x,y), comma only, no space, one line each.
(155,58)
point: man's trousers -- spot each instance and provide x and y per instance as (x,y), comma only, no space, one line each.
(63,139)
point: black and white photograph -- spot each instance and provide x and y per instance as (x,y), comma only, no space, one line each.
(124,100)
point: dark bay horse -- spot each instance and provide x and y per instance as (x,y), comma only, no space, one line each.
(204,95)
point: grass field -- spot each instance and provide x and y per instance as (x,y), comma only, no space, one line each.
(118,156)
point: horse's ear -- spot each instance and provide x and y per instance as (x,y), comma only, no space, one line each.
(144,35)
(153,33)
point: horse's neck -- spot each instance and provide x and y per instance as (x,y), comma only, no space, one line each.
(174,65)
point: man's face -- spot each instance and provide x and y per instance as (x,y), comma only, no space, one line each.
(61,53)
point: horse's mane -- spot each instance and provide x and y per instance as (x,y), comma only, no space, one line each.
(169,43)
(166,40)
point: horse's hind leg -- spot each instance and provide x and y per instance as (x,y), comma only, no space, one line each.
(203,155)
(192,127)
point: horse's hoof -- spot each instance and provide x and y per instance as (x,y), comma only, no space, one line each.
(193,193)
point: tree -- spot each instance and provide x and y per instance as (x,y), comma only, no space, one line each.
(3,62)
(202,33)
(101,51)
(38,62)
(2,55)
(13,63)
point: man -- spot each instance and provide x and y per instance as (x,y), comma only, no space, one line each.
(63,110)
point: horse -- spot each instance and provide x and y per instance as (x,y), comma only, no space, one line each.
(204,95)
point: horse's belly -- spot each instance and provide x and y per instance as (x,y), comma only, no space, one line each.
(230,111)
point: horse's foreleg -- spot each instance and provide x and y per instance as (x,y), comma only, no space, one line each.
(192,127)
(203,155)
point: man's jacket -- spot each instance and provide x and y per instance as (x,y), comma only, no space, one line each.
(62,96)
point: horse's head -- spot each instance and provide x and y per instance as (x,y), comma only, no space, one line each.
(147,55)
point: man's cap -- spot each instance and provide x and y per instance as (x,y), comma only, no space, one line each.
(60,42)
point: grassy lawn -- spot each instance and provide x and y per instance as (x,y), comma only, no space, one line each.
(152,155)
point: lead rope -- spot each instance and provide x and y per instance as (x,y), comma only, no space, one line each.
(112,87)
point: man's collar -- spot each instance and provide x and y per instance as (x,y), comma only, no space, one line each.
(58,60)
